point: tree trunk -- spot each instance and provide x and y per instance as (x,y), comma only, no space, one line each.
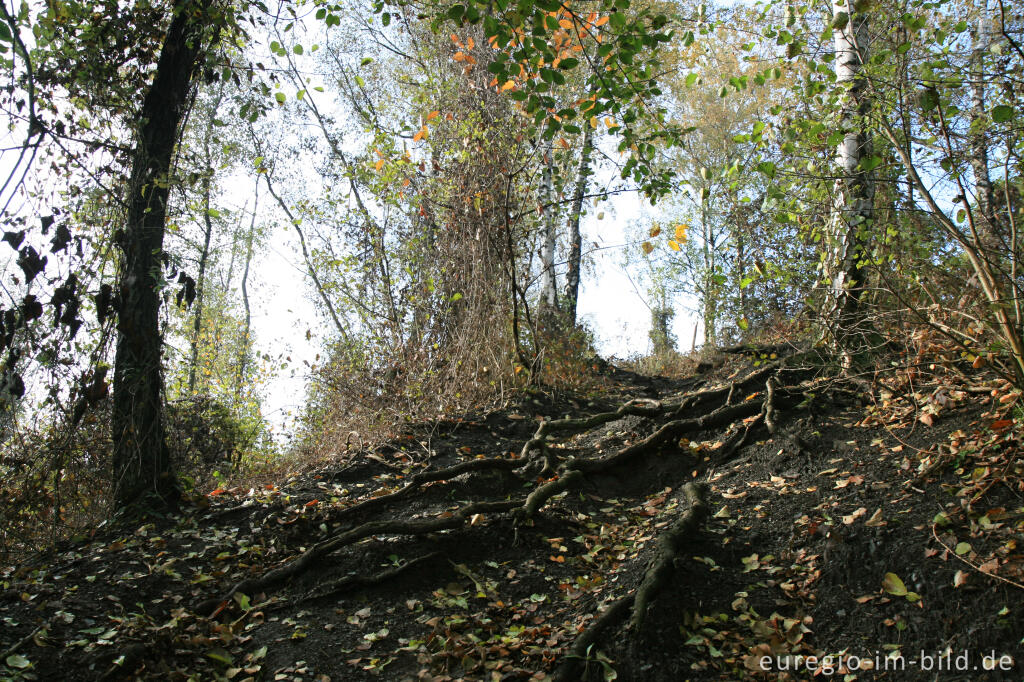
(142,465)
(852,210)
(243,353)
(548,285)
(572,277)
(204,258)
(988,231)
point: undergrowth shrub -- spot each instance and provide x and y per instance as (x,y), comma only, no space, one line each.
(55,479)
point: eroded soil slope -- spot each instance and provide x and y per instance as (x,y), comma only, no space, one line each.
(706,528)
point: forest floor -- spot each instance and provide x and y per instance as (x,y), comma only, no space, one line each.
(756,519)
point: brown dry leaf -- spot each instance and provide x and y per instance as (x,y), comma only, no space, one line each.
(875,520)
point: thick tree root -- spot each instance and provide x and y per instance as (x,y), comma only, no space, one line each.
(353,582)
(721,407)
(635,605)
(424,477)
(575,665)
(670,544)
(311,556)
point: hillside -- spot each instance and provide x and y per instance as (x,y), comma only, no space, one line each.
(655,529)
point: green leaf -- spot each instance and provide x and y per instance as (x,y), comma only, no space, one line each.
(691,80)
(1002,113)
(929,99)
(365,61)
(892,584)
(870,163)
(280,97)
(297,49)
(17,661)
(568,63)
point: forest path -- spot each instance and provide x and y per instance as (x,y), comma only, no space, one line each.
(655,530)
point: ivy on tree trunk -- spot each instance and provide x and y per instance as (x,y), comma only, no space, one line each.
(142,464)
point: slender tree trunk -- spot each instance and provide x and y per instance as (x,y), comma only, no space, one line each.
(572,277)
(711,288)
(852,210)
(548,284)
(243,353)
(204,258)
(988,231)
(142,465)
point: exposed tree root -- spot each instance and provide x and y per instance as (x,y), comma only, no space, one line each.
(635,605)
(352,582)
(424,477)
(743,407)
(670,543)
(575,663)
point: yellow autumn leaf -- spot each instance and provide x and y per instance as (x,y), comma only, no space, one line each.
(655,231)
(647,248)
(593,121)
(681,232)
(673,244)
(508,85)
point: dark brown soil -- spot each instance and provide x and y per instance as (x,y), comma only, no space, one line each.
(877,522)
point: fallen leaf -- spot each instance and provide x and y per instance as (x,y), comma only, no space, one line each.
(892,584)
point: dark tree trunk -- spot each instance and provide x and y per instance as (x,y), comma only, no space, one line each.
(572,277)
(143,471)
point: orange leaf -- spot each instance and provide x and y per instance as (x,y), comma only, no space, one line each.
(558,559)
(470,43)
(561,141)
(1001,424)
(459,56)
(380,164)
(565,23)
(655,231)
(311,503)
(601,22)
(455,39)
(508,86)
(432,115)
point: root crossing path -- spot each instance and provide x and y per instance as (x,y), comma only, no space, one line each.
(560,477)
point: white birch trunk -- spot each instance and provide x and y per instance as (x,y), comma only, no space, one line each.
(548,284)
(854,187)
